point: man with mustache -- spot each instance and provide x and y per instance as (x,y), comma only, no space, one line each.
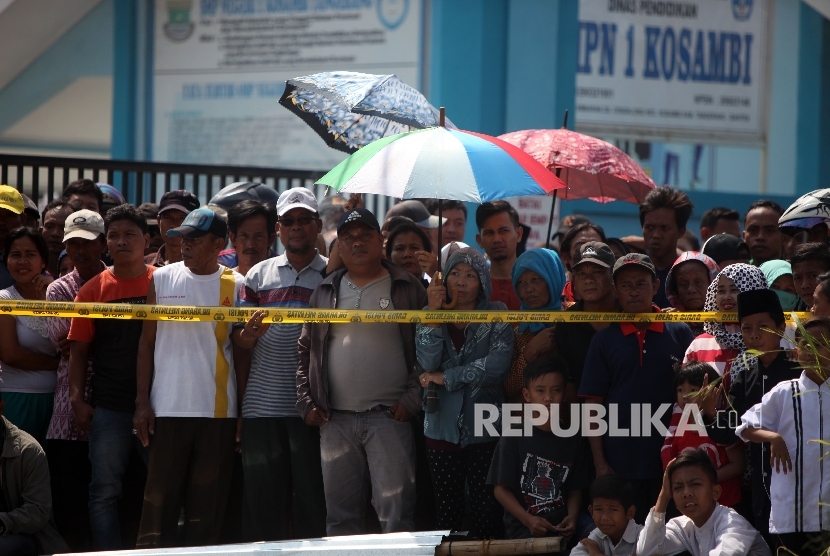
(663,216)
(499,234)
(362,397)
(252,229)
(280,453)
(632,363)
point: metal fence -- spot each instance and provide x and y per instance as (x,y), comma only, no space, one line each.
(43,178)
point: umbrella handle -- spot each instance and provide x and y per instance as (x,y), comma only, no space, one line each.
(453,300)
(453,296)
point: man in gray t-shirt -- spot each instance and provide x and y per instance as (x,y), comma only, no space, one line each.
(357,382)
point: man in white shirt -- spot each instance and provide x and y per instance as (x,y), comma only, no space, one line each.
(706,527)
(188,418)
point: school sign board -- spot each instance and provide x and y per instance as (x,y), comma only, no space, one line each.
(220,66)
(674,70)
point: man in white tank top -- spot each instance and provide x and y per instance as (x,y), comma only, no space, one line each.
(186,406)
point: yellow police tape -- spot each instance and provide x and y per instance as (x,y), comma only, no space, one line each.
(298,316)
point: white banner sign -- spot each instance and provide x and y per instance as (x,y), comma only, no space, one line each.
(673,70)
(220,67)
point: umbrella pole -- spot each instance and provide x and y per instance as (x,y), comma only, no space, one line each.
(440,233)
(441,117)
(553,204)
(552,210)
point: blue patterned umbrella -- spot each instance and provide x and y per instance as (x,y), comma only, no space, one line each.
(350,110)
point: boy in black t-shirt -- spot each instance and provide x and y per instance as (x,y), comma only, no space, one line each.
(538,478)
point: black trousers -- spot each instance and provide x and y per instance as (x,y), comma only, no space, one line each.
(451,472)
(70,473)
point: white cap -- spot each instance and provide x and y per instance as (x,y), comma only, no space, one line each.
(84,224)
(298,197)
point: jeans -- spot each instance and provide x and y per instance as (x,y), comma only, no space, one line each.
(111,443)
(363,451)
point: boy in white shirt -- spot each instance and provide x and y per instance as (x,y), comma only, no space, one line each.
(705,527)
(613,511)
(793,422)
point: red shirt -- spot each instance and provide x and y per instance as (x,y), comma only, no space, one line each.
(503,291)
(731,489)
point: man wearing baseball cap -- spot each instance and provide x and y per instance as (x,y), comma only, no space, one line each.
(11,217)
(633,363)
(364,394)
(188,418)
(280,452)
(173,208)
(591,279)
(68,456)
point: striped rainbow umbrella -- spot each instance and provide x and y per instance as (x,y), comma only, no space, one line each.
(441,163)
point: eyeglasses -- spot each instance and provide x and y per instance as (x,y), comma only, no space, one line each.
(302,221)
(363,236)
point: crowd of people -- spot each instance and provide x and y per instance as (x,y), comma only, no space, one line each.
(125,433)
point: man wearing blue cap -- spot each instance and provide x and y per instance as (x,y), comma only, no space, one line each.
(188,418)
(364,395)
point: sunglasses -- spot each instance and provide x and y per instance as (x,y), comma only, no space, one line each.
(302,221)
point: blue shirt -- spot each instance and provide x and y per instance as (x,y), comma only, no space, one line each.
(626,366)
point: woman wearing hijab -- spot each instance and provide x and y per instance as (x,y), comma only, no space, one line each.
(779,276)
(721,344)
(687,281)
(468,362)
(537,275)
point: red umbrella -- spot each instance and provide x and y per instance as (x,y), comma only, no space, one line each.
(591,167)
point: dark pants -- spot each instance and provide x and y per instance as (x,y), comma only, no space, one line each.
(451,472)
(646,492)
(71,473)
(112,447)
(191,463)
(283,480)
(18,545)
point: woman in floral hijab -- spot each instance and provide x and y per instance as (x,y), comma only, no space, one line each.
(721,344)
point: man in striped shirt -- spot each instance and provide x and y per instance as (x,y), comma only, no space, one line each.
(280,453)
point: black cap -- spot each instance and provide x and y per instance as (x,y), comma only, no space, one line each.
(180,199)
(635,259)
(358,215)
(752,302)
(595,252)
(726,247)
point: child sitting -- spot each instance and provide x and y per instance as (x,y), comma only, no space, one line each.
(613,512)
(705,527)
(729,461)
(538,478)
(794,427)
